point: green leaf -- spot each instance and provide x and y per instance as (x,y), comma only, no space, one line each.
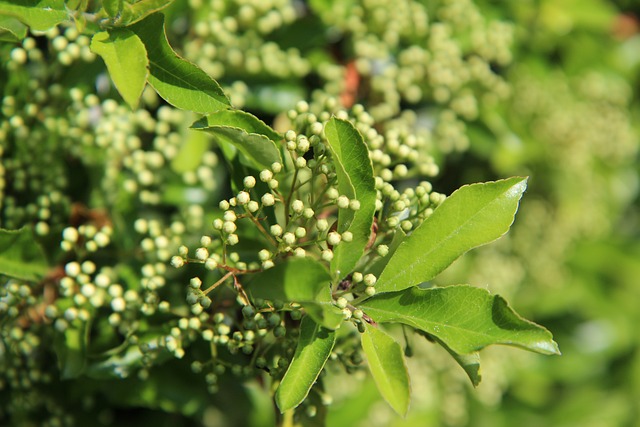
(71,350)
(469,362)
(189,156)
(464,318)
(381,262)
(21,256)
(11,29)
(314,347)
(179,82)
(39,15)
(126,59)
(355,180)
(301,280)
(388,368)
(135,12)
(250,135)
(472,216)
(113,7)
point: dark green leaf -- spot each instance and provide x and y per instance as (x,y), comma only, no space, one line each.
(472,216)
(113,7)
(39,15)
(314,347)
(71,350)
(355,180)
(469,362)
(126,59)
(388,368)
(179,82)
(20,255)
(464,318)
(301,280)
(250,135)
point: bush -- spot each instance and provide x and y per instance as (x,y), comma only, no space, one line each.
(234,212)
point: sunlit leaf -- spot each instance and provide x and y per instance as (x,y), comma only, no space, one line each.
(126,59)
(355,180)
(179,82)
(314,347)
(472,216)
(464,318)
(39,15)
(388,368)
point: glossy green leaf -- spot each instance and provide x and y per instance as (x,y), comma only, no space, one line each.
(135,12)
(314,347)
(301,280)
(11,29)
(388,368)
(355,180)
(179,82)
(20,255)
(250,135)
(126,59)
(472,216)
(464,318)
(39,15)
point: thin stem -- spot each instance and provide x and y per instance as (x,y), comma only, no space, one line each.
(218,283)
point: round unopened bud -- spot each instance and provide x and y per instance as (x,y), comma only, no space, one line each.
(327,255)
(322,224)
(358,314)
(229,227)
(229,216)
(356,277)
(299,252)
(342,302)
(308,213)
(202,253)
(289,238)
(233,239)
(249,182)
(300,232)
(243,198)
(297,206)
(253,206)
(275,230)
(370,291)
(266,175)
(224,205)
(333,238)
(347,236)
(264,255)
(268,199)
(343,202)
(210,264)
(383,250)
(195,282)
(354,204)
(369,280)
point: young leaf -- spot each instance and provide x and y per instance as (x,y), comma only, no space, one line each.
(113,7)
(301,280)
(472,216)
(20,255)
(355,180)
(464,318)
(250,135)
(11,29)
(388,368)
(39,15)
(314,347)
(179,82)
(126,59)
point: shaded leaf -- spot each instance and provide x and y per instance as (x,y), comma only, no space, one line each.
(71,350)
(250,135)
(301,280)
(179,82)
(126,58)
(21,256)
(472,216)
(464,318)
(469,362)
(355,180)
(314,347)
(388,368)
(39,15)
(113,7)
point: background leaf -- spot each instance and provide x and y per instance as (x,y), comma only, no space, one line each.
(39,15)
(472,216)
(126,58)
(314,347)
(388,368)
(301,280)
(355,180)
(20,255)
(464,318)
(71,350)
(250,135)
(179,82)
